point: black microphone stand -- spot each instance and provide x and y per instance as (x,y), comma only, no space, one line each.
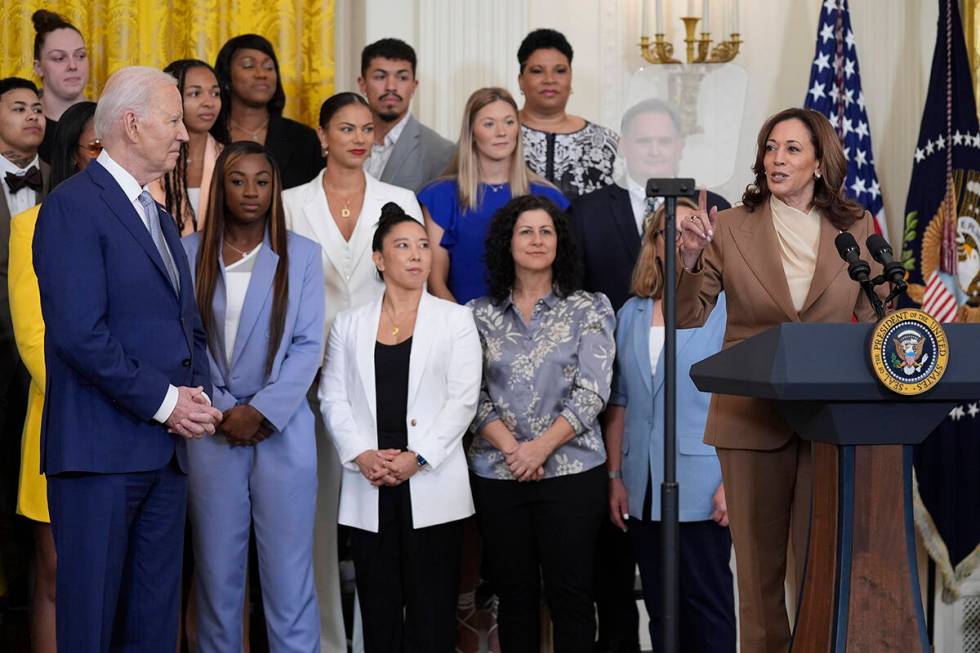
(670,190)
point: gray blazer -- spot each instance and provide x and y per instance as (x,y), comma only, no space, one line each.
(420,155)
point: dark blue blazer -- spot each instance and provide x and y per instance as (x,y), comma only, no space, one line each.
(116,333)
(608,243)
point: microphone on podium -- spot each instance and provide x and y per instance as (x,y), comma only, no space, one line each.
(858,269)
(894,272)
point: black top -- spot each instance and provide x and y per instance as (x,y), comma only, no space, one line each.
(295,149)
(608,241)
(48,143)
(391,393)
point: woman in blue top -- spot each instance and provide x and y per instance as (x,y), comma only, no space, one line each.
(486,172)
(635,443)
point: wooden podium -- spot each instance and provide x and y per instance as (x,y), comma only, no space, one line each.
(861,587)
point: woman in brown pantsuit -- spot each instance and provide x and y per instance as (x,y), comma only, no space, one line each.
(774,257)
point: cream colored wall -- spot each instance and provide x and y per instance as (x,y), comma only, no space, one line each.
(894,41)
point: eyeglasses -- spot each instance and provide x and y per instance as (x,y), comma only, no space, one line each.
(94,148)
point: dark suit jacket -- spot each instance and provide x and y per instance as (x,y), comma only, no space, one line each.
(419,156)
(295,149)
(116,333)
(8,348)
(608,242)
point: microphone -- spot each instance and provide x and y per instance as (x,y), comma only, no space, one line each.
(847,247)
(894,271)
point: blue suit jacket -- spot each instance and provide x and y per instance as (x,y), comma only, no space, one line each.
(116,333)
(698,471)
(280,395)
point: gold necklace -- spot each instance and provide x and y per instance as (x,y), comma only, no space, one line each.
(246,252)
(252,136)
(395,327)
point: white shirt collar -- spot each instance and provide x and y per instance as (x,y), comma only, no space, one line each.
(395,132)
(8,166)
(126,181)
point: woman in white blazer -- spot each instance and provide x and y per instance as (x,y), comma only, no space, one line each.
(405,487)
(339,209)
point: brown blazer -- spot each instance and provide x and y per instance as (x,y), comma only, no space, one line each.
(743,260)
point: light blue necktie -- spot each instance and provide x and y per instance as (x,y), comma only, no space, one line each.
(156,233)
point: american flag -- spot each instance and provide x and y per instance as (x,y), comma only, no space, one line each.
(835,91)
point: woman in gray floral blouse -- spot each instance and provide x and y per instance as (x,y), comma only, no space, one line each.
(537,459)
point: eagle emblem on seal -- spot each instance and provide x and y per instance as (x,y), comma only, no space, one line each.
(909,354)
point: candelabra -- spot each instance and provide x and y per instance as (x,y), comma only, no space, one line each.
(699,50)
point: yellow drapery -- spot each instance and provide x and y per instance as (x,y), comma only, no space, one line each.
(151,33)
(971,29)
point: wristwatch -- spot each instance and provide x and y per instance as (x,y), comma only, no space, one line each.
(420,460)
(615,474)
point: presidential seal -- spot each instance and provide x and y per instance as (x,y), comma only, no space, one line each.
(909,351)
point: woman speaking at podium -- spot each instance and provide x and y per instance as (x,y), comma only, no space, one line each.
(774,257)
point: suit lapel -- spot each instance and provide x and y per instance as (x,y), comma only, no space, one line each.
(367,335)
(622,212)
(755,238)
(126,213)
(316,212)
(641,341)
(259,290)
(404,149)
(422,339)
(219,305)
(829,264)
(360,239)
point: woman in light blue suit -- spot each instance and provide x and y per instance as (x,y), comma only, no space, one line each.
(260,293)
(634,441)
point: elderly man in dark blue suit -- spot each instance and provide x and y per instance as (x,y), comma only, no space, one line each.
(127,377)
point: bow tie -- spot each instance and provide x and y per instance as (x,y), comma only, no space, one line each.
(31,179)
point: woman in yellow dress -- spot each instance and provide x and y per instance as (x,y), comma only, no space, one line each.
(74,146)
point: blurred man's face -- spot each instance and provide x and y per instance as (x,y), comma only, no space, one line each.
(652,147)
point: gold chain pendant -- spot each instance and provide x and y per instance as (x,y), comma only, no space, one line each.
(345,212)
(394,332)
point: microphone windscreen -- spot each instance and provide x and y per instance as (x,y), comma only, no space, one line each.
(876,244)
(845,244)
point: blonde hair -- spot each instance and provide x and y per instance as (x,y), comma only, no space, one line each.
(465,166)
(648,274)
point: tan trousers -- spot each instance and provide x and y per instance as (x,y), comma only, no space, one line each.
(768,495)
(326,566)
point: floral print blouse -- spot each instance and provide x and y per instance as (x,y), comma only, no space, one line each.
(577,163)
(558,364)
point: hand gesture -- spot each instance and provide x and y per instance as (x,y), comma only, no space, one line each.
(526,461)
(192,416)
(373,466)
(403,466)
(697,230)
(619,506)
(244,426)
(719,512)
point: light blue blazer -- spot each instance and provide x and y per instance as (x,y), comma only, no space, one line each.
(698,471)
(281,396)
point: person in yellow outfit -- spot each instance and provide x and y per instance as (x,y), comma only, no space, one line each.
(74,146)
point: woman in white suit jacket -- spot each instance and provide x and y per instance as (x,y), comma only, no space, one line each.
(405,483)
(339,209)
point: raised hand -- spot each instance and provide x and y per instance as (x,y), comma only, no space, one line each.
(696,231)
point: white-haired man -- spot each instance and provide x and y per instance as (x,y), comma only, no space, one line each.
(127,377)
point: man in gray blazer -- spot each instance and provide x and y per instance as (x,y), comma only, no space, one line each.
(405,153)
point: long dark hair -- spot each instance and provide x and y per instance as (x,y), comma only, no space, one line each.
(175,182)
(64,150)
(500,260)
(222,69)
(212,237)
(827,191)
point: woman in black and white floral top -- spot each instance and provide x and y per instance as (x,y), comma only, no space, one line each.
(569,151)
(537,459)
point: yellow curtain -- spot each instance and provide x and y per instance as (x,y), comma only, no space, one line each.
(971,29)
(153,33)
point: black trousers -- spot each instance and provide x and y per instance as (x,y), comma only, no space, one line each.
(707,604)
(547,527)
(407,579)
